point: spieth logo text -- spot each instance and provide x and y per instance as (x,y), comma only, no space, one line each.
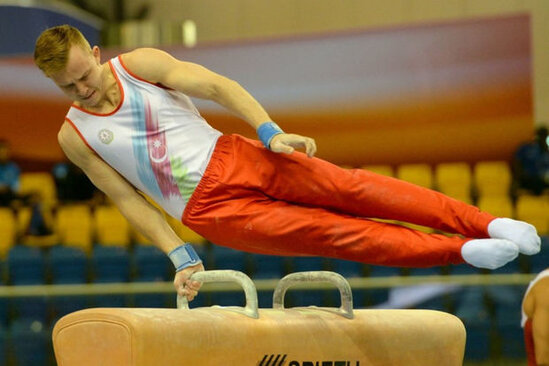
(280,360)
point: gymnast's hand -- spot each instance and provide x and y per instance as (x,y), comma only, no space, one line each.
(286,142)
(186,287)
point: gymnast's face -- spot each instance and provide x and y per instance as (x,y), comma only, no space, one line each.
(82,78)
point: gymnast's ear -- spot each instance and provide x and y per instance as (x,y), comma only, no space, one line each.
(96,53)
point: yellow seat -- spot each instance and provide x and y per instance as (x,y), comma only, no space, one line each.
(500,206)
(419,174)
(454,180)
(534,210)
(23,218)
(492,178)
(8,231)
(74,226)
(386,170)
(186,234)
(111,227)
(41,183)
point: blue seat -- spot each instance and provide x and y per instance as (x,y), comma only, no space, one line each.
(464,269)
(347,268)
(540,261)
(377,296)
(268,266)
(309,298)
(227,298)
(151,264)
(439,302)
(303,264)
(472,310)
(4,305)
(507,302)
(63,305)
(265,299)
(30,343)
(228,258)
(151,300)
(110,264)
(68,265)
(509,268)
(26,266)
(3,345)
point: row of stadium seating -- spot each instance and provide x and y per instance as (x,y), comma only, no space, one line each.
(491,313)
(485,178)
(67,265)
(82,225)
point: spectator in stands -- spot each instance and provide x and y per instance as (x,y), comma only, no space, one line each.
(71,184)
(9,176)
(535,320)
(531,163)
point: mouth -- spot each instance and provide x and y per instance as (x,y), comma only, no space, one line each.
(89,96)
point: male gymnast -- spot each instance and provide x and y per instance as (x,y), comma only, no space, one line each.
(133,128)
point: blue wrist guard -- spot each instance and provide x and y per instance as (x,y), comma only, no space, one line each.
(184,256)
(267,131)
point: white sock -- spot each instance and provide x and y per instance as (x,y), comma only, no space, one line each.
(519,232)
(489,253)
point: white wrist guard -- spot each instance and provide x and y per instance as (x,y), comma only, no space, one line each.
(184,256)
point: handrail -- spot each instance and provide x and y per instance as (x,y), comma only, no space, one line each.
(263,285)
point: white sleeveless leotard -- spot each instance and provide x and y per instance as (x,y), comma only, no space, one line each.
(155,138)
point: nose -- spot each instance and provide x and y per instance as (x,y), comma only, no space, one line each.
(81,89)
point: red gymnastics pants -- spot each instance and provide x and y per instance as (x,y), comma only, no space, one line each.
(259,201)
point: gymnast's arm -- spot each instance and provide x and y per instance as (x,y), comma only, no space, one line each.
(540,321)
(140,213)
(157,66)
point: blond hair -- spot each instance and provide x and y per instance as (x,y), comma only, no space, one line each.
(52,47)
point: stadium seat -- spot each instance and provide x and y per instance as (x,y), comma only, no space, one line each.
(151,264)
(186,234)
(347,268)
(41,183)
(454,180)
(376,296)
(386,170)
(534,210)
(419,174)
(492,178)
(3,345)
(26,265)
(8,230)
(500,206)
(268,266)
(508,304)
(74,226)
(110,264)
(540,261)
(68,265)
(228,258)
(30,342)
(471,309)
(111,227)
(4,316)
